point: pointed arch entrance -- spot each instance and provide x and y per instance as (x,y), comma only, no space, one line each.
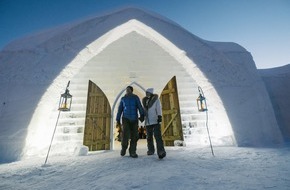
(98,119)
(171,128)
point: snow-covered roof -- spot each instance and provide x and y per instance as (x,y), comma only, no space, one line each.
(34,40)
(277,71)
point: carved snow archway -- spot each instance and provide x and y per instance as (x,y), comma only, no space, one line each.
(221,127)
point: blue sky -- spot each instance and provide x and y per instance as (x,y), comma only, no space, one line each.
(261,26)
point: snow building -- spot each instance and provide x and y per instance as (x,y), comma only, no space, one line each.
(100,57)
(277,84)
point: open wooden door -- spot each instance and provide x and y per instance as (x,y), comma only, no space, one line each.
(171,127)
(98,119)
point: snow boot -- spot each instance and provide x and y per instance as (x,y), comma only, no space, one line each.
(123,152)
(162,154)
(149,153)
(134,155)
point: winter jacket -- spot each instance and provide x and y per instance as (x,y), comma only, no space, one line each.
(152,108)
(128,106)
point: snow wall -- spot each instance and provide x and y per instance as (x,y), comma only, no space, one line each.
(278,86)
(34,71)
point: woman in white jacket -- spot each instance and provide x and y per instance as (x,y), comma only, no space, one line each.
(153,118)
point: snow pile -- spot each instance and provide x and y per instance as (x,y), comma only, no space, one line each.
(277,81)
(81,151)
(35,70)
(179,143)
(183,168)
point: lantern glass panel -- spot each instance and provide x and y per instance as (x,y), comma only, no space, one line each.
(201,104)
(65,102)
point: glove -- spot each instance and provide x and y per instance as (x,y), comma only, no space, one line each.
(141,118)
(159,120)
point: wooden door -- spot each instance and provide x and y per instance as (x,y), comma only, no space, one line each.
(171,127)
(98,120)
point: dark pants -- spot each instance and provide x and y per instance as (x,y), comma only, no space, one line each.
(130,130)
(156,130)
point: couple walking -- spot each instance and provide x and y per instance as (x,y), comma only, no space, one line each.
(150,112)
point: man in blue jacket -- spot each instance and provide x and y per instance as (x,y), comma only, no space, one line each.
(129,105)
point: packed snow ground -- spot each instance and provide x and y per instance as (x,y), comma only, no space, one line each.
(183,168)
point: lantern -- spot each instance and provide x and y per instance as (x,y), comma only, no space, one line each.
(65,100)
(64,105)
(201,101)
(202,107)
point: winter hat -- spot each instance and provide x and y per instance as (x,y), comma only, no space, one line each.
(130,88)
(150,90)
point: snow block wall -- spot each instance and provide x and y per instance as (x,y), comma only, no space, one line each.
(113,51)
(277,81)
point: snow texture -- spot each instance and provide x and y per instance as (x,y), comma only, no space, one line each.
(278,86)
(34,71)
(184,169)
(81,151)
